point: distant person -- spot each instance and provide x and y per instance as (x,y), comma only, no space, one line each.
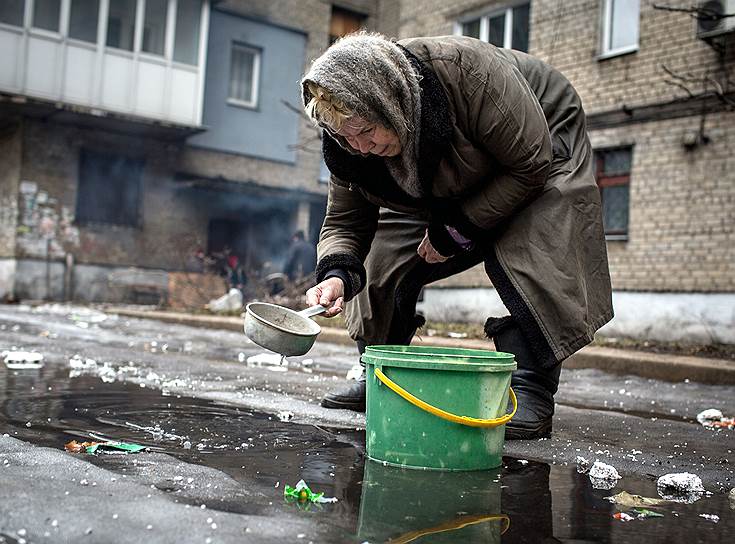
(301,259)
(235,274)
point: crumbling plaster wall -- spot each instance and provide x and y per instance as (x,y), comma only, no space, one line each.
(168,228)
(10,165)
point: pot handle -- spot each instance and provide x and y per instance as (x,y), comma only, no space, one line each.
(314,310)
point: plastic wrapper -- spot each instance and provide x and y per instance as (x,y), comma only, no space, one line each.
(102,447)
(301,493)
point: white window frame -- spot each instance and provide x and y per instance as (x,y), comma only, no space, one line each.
(485,16)
(606,34)
(250,104)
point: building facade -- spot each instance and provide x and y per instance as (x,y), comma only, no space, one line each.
(137,135)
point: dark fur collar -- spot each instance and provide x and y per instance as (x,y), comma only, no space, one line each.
(370,173)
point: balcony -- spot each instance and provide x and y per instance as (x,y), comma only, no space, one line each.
(139,58)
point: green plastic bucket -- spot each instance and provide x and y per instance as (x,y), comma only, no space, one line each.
(437,408)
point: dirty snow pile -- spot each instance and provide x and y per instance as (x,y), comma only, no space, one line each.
(602,475)
(681,487)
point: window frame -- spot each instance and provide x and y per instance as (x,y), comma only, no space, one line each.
(606,33)
(255,85)
(613,181)
(91,222)
(485,16)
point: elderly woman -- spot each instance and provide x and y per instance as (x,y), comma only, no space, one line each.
(446,152)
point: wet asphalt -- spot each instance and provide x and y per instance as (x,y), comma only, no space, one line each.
(212,421)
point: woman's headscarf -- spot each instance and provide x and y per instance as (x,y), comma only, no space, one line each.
(374,79)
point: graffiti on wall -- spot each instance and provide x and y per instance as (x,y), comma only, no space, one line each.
(44,228)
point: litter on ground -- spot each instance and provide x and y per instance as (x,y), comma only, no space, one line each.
(622,516)
(18,360)
(102,447)
(714,518)
(285,415)
(681,487)
(603,476)
(301,493)
(629,500)
(644,513)
(229,302)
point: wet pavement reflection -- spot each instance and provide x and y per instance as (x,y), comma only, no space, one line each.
(522,501)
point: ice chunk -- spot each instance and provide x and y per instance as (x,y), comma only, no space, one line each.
(680,487)
(709,415)
(83,364)
(603,476)
(583,465)
(272,359)
(22,359)
(355,372)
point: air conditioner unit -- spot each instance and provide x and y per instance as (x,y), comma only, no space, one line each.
(712,18)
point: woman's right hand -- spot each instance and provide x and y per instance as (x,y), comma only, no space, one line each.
(331,290)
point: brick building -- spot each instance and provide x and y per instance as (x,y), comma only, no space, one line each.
(661,121)
(125,148)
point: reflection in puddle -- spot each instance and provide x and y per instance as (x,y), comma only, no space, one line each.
(520,502)
(403,505)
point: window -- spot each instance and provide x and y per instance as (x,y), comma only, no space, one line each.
(121,24)
(506,28)
(619,27)
(186,42)
(11,12)
(83,20)
(109,189)
(154,26)
(244,75)
(343,22)
(46,14)
(612,169)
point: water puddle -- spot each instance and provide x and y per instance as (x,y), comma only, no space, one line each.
(523,501)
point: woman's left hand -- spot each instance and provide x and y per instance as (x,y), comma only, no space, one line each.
(427,252)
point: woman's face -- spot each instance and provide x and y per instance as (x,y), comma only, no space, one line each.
(368,137)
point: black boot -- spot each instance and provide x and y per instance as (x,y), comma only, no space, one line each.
(534,386)
(351,397)
(535,391)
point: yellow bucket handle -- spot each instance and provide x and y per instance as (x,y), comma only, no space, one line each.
(462,420)
(459,523)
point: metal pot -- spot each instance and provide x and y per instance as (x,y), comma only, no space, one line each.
(280,329)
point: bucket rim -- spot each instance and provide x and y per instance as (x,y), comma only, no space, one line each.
(440,351)
(424,363)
